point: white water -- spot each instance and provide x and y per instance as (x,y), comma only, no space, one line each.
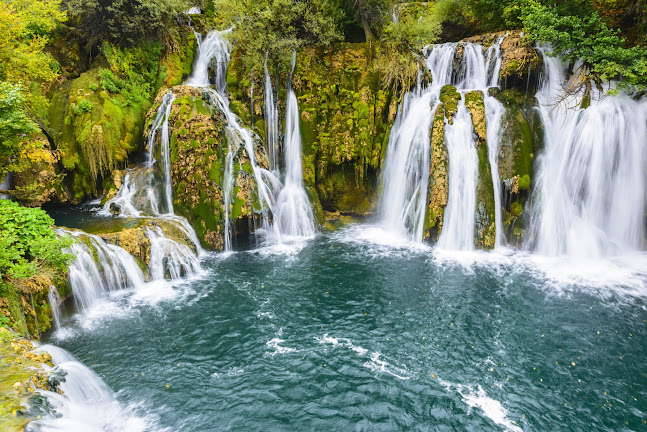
(458,228)
(405,176)
(140,194)
(87,404)
(93,277)
(589,198)
(494,111)
(271,111)
(287,202)
(170,259)
(54,300)
(6,184)
(293,213)
(406,171)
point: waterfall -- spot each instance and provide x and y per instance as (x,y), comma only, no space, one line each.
(288,203)
(494,111)
(169,258)
(293,211)
(6,184)
(404,193)
(404,179)
(458,230)
(54,300)
(589,199)
(99,268)
(139,192)
(86,403)
(214,48)
(271,112)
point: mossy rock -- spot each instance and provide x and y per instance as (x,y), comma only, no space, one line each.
(485,229)
(476,106)
(449,98)
(520,140)
(438,187)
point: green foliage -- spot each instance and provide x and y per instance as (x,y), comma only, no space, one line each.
(82,106)
(25,27)
(273,29)
(15,123)
(583,35)
(28,243)
(93,86)
(133,71)
(124,22)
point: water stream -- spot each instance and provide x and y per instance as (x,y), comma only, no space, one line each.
(590,199)
(405,176)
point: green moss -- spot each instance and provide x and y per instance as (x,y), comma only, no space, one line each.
(449,98)
(524,182)
(485,233)
(438,188)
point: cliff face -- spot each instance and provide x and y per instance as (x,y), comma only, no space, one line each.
(346,117)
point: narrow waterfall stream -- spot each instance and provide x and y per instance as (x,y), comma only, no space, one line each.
(293,210)
(403,199)
(404,194)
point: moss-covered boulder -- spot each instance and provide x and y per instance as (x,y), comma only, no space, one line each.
(520,135)
(137,243)
(177,62)
(449,98)
(438,188)
(22,373)
(94,130)
(485,230)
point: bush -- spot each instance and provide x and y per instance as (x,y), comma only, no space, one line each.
(28,243)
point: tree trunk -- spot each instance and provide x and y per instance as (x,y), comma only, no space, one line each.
(368,34)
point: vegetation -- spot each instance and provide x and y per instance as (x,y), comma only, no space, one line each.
(124,22)
(31,261)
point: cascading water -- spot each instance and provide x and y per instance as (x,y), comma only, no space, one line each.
(54,300)
(458,231)
(402,207)
(405,176)
(291,209)
(293,213)
(93,277)
(590,197)
(86,402)
(271,112)
(140,192)
(6,185)
(169,258)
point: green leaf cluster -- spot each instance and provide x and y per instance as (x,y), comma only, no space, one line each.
(28,243)
(583,35)
(15,123)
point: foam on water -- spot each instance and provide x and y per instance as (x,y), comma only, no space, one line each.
(87,404)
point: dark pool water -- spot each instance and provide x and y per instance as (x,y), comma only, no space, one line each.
(345,335)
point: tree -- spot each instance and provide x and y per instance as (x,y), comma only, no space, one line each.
(271,30)
(124,22)
(582,35)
